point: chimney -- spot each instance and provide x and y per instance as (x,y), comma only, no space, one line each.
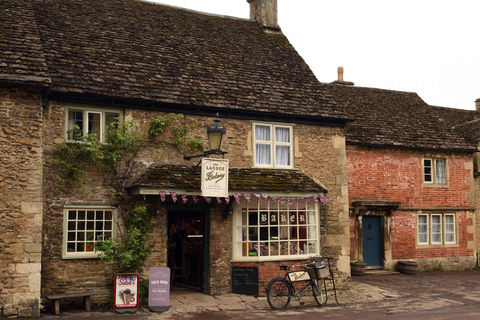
(264,12)
(340,74)
(477,104)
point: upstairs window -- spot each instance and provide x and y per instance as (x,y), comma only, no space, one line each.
(273,146)
(434,171)
(88,121)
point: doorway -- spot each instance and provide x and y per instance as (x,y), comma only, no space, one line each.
(187,243)
(372,241)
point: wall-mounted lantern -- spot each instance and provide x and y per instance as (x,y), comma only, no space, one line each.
(215,135)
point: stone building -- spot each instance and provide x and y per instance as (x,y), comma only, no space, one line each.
(411,180)
(83,63)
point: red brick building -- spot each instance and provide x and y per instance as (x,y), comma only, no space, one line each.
(410,180)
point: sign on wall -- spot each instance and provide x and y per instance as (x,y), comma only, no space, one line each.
(159,289)
(125,292)
(214,177)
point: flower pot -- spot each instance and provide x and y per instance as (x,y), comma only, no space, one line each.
(357,268)
(407,267)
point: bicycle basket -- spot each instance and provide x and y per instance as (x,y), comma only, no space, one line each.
(318,271)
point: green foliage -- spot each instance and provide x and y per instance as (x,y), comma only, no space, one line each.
(196,145)
(158,124)
(129,252)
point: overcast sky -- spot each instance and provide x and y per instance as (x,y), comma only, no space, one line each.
(430,47)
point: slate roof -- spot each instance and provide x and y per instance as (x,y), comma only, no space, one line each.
(129,49)
(21,54)
(400,119)
(165,177)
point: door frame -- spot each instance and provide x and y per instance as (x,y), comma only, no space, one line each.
(205,211)
(384,209)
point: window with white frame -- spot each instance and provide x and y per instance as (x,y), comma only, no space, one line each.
(82,121)
(436,229)
(267,229)
(434,171)
(83,226)
(273,145)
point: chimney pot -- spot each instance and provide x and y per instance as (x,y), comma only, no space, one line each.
(265,12)
(477,104)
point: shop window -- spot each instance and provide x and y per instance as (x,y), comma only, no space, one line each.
(83,226)
(434,171)
(273,146)
(268,230)
(80,122)
(436,229)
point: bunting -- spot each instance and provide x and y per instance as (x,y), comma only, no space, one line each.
(317,198)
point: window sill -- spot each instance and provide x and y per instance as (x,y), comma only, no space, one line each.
(84,255)
(272,259)
(275,168)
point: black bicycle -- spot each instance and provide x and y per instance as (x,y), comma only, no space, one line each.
(281,290)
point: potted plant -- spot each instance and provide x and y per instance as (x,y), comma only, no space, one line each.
(357,267)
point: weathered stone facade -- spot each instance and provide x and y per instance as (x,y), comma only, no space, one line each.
(318,151)
(21,202)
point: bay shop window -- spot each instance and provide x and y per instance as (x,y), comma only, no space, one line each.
(265,230)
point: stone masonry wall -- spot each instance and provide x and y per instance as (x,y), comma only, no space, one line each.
(20,202)
(319,152)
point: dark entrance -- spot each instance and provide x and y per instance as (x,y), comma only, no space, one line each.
(372,241)
(186,249)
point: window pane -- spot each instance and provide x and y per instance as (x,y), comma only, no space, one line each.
(75,118)
(262,154)
(282,155)
(440,166)
(282,134)
(449,228)
(262,133)
(422,229)
(427,170)
(94,123)
(436,229)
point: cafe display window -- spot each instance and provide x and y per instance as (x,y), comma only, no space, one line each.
(268,230)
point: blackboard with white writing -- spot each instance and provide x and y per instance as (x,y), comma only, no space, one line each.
(245,280)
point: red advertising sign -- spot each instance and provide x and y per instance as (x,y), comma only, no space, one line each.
(125,292)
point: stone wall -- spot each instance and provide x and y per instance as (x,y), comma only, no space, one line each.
(319,152)
(21,121)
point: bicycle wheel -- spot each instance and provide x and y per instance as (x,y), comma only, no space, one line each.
(279,293)
(318,292)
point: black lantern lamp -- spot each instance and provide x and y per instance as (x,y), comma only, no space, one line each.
(215,135)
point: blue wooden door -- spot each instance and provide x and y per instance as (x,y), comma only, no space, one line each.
(372,241)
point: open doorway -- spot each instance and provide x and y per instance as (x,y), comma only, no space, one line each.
(186,246)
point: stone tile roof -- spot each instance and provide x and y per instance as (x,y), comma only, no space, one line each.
(139,50)
(165,177)
(400,119)
(21,53)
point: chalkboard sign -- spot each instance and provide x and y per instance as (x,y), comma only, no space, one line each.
(245,280)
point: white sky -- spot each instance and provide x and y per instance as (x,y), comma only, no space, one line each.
(430,47)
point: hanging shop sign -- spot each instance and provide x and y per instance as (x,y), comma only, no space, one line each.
(159,289)
(214,177)
(125,292)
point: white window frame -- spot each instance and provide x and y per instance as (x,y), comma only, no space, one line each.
(86,254)
(86,111)
(442,227)
(273,144)
(271,249)
(433,174)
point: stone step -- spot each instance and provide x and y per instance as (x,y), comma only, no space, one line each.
(380,272)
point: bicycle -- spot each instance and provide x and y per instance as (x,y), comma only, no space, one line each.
(281,290)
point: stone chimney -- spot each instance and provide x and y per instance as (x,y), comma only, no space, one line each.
(340,78)
(340,74)
(264,12)
(477,104)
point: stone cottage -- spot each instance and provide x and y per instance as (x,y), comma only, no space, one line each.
(77,65)
(410,180)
